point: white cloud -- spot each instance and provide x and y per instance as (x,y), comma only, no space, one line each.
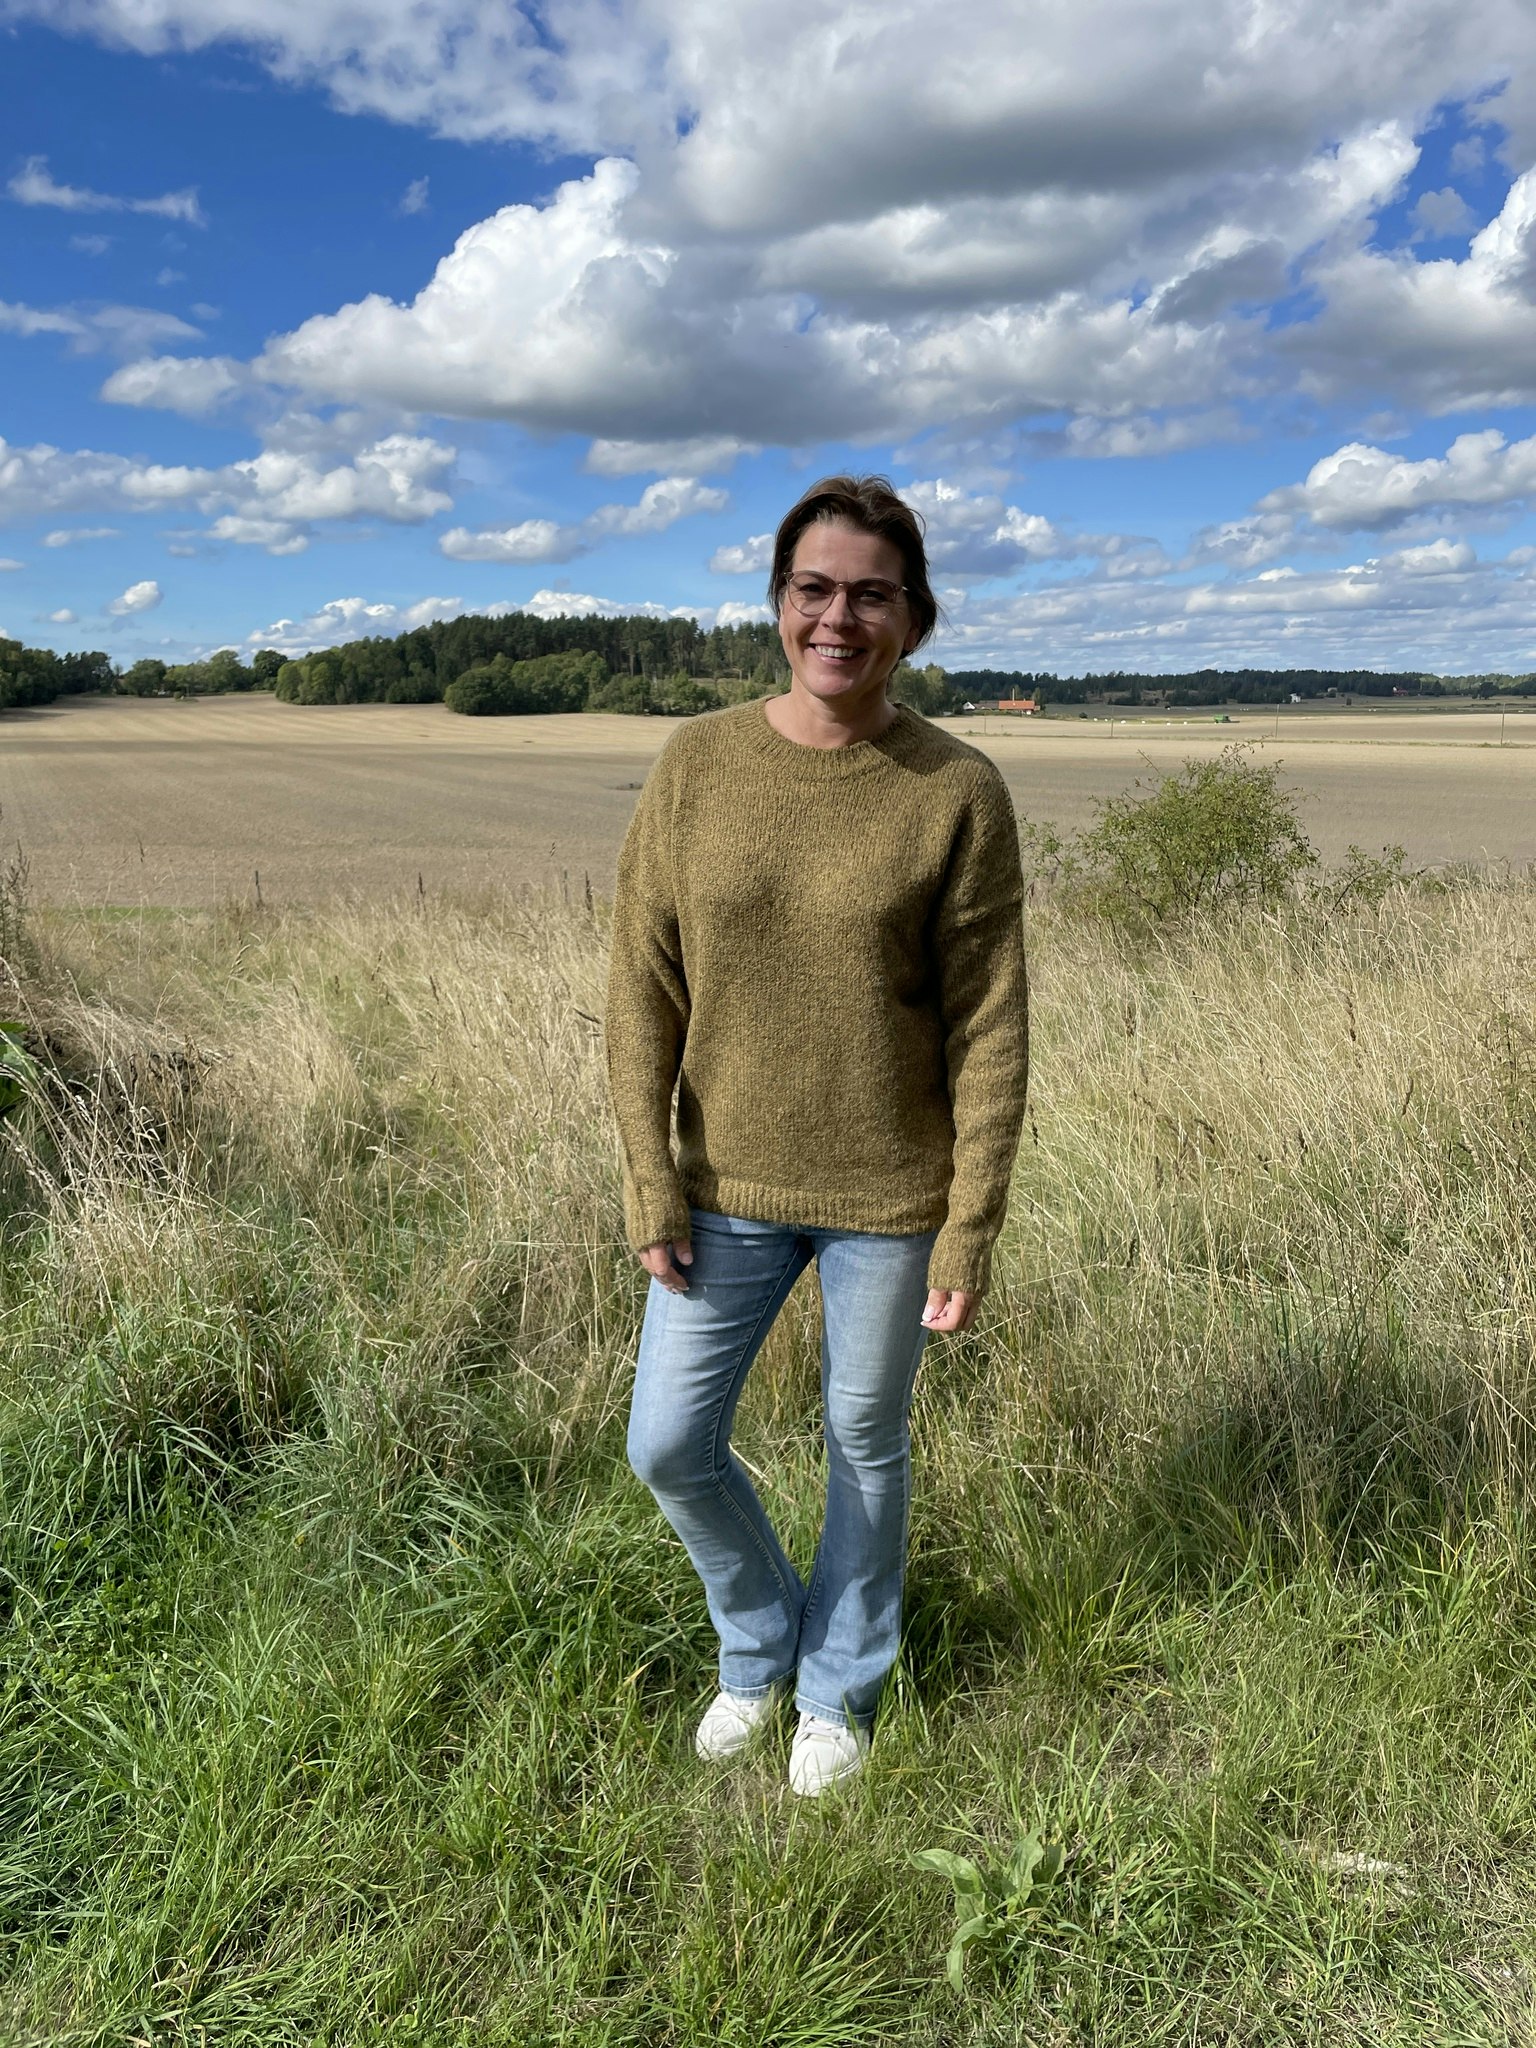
(138,597)
(706,457)
(660,505)
(1446,335)
(976,533)
(911,228)
(1441,213)
(34,186)
(1144,437)
(123,329)
(533,540)
(187,384)
(752,557)
(1435,607)
(268,500)
(1361,488)
(68,536)
(414,197)
(62,617)
(167,276)
(351,618)
(8,563)
(91,245)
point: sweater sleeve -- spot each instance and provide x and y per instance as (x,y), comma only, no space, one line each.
(647,1017)
(984,1003)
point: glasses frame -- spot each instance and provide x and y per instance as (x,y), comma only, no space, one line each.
(898,592)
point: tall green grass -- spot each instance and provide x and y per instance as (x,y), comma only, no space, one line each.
(349,1678)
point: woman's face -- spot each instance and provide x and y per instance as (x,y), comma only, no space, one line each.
(839,657)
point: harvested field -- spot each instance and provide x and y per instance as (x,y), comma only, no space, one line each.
(123,801)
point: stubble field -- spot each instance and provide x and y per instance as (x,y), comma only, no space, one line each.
(119,801)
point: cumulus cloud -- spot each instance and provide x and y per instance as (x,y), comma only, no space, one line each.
(1447,335)
(752,557)
(1087,222)
(565,318)
(70,536)
(186,384)
(33,185)
(268,500)
(660,505)
(532,540)
(1359,488)
(63,617)
(351,618)
(9,562)
(138,597)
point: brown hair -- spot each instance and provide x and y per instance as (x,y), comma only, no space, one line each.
(869,504)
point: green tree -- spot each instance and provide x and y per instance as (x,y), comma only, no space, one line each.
(680,696)
(145,679)
(225,671)
(924,689)
(319,684)
(264,668)
(621,693)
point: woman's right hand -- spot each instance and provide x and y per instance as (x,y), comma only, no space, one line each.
(658,1261)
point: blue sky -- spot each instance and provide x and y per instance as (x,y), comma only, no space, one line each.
(1199,336)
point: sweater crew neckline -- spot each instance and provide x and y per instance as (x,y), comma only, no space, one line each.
(828,764)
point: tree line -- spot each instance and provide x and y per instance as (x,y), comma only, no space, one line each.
(1229,686)
(481,665)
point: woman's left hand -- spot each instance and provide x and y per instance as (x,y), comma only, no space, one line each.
(950,1310)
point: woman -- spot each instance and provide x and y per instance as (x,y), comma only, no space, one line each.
(817,936)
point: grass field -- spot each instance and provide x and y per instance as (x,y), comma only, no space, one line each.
(163,803)
(349,1676)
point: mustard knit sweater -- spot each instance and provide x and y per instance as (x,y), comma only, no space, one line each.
(823,950)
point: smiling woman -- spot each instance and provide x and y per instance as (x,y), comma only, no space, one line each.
(818,943)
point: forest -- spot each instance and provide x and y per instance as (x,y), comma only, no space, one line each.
(480,664)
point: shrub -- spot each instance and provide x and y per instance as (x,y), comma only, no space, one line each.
(1214,836)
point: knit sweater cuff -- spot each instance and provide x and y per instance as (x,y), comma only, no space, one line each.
(655,1212)
(960,1262)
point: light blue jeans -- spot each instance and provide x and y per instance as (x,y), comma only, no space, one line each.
(838,1635)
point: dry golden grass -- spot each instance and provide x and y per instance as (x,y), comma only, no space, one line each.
(162,803)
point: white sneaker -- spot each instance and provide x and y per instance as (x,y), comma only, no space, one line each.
(730,1723)
(821,1753)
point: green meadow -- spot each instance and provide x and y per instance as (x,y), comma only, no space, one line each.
(349,1677)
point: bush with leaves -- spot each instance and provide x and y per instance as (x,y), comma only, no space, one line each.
(1216,836)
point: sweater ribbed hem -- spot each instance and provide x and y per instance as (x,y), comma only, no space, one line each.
(960,1261)
(724,1195)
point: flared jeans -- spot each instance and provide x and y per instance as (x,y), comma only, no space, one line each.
(837,1634)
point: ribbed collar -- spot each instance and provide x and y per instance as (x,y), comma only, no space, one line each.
(829,764)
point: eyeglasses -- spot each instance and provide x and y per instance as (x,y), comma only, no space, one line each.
(871,601)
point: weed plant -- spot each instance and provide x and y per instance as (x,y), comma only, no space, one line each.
(349,1677)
